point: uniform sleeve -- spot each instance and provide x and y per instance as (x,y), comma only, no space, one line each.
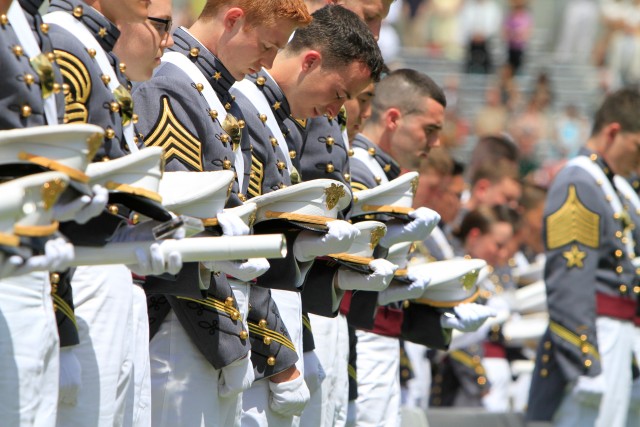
(62,296)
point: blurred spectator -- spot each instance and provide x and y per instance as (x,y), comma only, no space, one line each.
(571,130)
(622,44)
(492,117)
(480,21)
(443,28)
(509,89)
(578,31)
(518,26)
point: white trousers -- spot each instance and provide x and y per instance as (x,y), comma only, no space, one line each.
(615,345)
(328,404)
(418,388)
(633,417)
(255,401)
(138,411)
(184,385)
(378,403)
(103,299)
(499,376)
(28,352)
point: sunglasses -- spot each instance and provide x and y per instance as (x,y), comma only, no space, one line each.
(163,26)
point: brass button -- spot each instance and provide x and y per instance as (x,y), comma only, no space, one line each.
(618,253)
(330,141)
(235,315)
(44,28)
(585,349)
(282,185)
(260,81)
(547,345)
(135,219)
(123,67)
(623,289)
(262,323)
(267,340)
(54,278)
(26,111)
(110,133)
(114,107)
(77,11)
(227,106)
(213,114)
(113,209)
(330,168)
(378,180)
(51,57)
(241,124)
(105,79)
(135,118)
(619,269)
(17,50)
(406,303)
(194,51)
(263,118)
(616,215)
(482,380)
(273,141)
(593,157)
(271,361)
(544,373)
(66,88)
(4,20)
(228,302)
(619,234)
(57,87)
(371,151)
(242,197)
(636,289)
(587,363)
(281,165)
(583,337)
(244,335)
(226,164)
(350,152)
(347,177)
(224,138)
(545,358)
(92,52)
(292,154)
(199,87)
(29,79)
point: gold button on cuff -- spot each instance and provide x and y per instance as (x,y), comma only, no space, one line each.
(113,209)
(114,107)
(244,335)
(226,165)
(267,340)
(330,168)
(44,28)
(110,134)
(350,152)
(271,361)
(54,278)
(92,52)
(25,111)
(262,323)
(29,79)
(330,141)
(228,302)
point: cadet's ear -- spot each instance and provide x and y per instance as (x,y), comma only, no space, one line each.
(391,118)
(233,18)
(311,60)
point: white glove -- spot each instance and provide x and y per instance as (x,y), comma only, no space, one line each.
(83,208)
(58,253)
(589,390)
(152,261)
(468,317)
(378,280)
(337,239)
(288,398)
(244,271)
(232,225)
(236,377)
(70,376)
(424,221)
(313,371)
(402,292)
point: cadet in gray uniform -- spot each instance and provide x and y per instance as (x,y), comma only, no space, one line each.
(583,366)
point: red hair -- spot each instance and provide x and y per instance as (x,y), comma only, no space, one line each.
(262,12)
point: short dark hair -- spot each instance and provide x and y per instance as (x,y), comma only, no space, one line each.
(404,89)
(483,218)
(341,37)
(623,107)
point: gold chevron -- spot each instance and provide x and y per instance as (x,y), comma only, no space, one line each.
(256,178)
(174,138)
(75,75)
(573,222)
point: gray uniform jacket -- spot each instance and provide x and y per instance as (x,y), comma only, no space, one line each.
(584,244)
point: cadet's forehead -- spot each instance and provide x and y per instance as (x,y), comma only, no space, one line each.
(369,9)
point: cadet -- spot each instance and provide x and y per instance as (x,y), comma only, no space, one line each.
(187,109)
(406,118)
(589,241)
(303,82)
(96,92)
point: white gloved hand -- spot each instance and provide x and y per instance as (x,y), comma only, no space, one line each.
(242,270)
(313,371)
(338,238)
(58,253)
(413,290)
(378,280)
(468,317)
(70,376)
(83,208)
(153,262)
(232,225)
(236,377)
(589,390)
(424,220)
(288,398)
